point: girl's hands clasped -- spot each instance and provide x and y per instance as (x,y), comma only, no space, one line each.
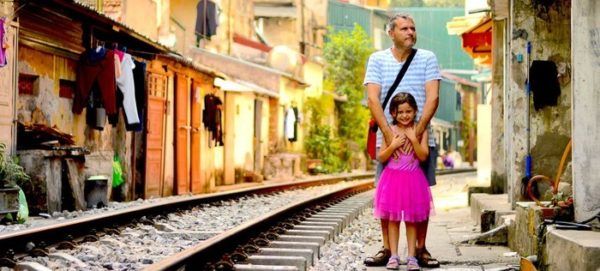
(410,134)
(398,140)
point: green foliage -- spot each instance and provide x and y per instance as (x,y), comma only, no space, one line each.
(346,54)
(11,173)
(427,3)
(320,142)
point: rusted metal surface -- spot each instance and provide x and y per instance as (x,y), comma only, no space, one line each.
(211,249)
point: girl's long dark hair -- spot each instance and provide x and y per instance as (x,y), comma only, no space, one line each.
(400,98)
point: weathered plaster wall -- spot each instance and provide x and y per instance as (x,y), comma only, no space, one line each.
(142,15)
(586,114)
(547,26)
(45,106)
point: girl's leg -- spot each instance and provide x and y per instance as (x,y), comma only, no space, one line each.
(394,236)
(384,233)
(411,238)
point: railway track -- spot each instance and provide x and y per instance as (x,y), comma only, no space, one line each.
(43,243)
(285,239)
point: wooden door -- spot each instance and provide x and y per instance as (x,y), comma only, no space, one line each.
(182,134)
(196,98)
(155,131)
(8,91)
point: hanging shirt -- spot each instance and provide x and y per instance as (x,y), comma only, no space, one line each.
(290,120)
(127,86)
(206,18)
(139,78)
(3,44)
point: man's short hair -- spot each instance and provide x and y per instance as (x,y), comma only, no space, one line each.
(392,22)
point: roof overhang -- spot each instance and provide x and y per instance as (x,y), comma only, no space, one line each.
(269,11)
(458,79)
(234,85)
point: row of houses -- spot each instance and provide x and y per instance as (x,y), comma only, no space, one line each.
(220,103)
(216,108)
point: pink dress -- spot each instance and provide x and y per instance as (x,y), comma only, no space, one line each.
(403,192)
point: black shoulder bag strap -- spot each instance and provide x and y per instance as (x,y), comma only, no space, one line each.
(398,78)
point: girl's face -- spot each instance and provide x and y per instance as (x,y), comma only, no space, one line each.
(405,115)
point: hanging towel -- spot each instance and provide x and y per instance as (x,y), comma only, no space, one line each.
(127,86)
(3,44)
(139,78)
(290,120)
(543,83)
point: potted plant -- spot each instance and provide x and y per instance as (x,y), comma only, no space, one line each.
(11,174)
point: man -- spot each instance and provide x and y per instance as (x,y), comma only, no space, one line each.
(422,80)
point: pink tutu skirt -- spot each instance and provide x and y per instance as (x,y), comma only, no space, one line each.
(403,194)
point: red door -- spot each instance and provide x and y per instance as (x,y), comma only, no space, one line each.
(157,98)
(182,134)
(196,97)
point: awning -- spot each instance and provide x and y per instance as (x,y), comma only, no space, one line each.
(243,86)
(274,11)
(436,122)
(476,35)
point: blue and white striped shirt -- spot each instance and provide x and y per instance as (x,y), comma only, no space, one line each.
(382,70)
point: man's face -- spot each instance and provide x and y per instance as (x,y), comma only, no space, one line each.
(404,34)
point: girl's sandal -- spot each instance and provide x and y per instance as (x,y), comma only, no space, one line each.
(412,264)
(393,263)
(426,260)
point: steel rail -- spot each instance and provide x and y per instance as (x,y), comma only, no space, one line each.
(194,258)
(78,227)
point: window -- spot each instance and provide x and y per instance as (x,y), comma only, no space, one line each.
(67,88)
(28,84)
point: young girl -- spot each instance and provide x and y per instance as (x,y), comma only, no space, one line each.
(403,192)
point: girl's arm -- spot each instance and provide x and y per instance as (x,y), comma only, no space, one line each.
(387,151)
(421,148)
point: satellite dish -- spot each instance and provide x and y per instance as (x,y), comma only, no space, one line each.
(284,59)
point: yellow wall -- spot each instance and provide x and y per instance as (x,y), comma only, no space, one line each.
(143,16)
(313,75)
(236,16)
(291,95)
(239,133)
